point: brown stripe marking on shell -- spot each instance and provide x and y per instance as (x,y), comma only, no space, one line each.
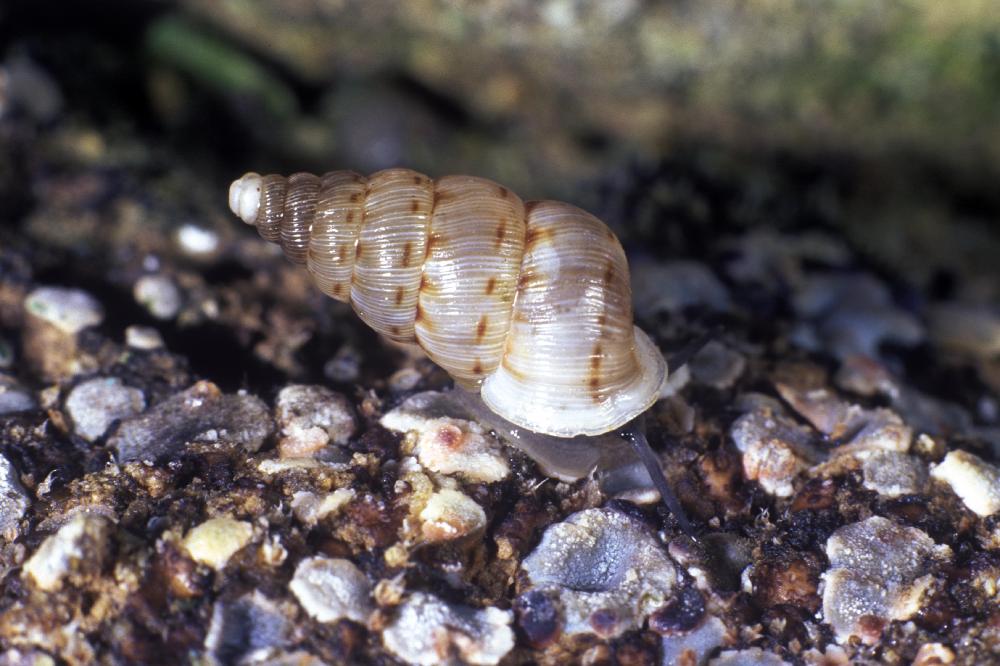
(407,251)
(477,367)
(491,284)
(338,289)
(534,235)
(400,292)
(529,278)
(481,328)
(504,192)
(596,357)
(501,232)
(609,273)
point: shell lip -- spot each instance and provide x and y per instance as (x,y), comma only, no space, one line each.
(571,421)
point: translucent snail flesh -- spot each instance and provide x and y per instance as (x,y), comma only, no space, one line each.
(528,304)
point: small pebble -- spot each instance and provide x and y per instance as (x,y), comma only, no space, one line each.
(311,508)
(775,449)
(14,397)
(197,241)
(445,444)
(451,514)
(749,657)
(330,589)
(14,500)
(693,646)
(310,417)
(404,379)
(426,631)
(345,366)
(966,327)
(69,310)
(159,294)
(974,480)
(75,554)
(97,403)
(934,654)
(607,571)
(879,572)
(246,630)
(200,413)
(891,473)
(214,541)
(717,366)
(49,338)
(674,285)
(143,337)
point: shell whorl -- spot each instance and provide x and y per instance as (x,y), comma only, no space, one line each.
(529,303)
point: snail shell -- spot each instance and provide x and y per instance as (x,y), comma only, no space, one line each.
(527,303)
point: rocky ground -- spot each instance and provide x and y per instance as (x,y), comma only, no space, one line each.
(204,459)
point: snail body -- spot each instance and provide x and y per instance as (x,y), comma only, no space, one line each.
(528,304)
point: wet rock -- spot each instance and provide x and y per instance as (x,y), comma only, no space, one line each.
(606,571)
(14,397)
(311,508)
(143,337)
(97,403)
(966,327)
(749,657)
(445,444)
(451,514)
(426,630)
(201,413)
(14,500)
(891,473)
(54,318)
(674,285)
(692,647)
(879,572)
(159,294)
(330,589)
(245,631)
(74,555)
(214,541)
(973,479)
(717,366)
(310,418)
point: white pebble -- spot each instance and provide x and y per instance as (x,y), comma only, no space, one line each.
(973,479)
(330,589)
(450,514)
(159,294)
(97,403)
(143,337)
(426,630)
(214,541)
(69,310)
(78,548)
(197,240)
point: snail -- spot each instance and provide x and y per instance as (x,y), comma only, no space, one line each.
(527,304)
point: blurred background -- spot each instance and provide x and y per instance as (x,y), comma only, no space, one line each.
(764,140)
(877,117)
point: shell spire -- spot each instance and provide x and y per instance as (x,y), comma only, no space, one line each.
(528,303)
